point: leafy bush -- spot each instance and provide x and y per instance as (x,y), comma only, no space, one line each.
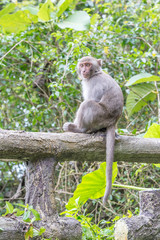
(30,230)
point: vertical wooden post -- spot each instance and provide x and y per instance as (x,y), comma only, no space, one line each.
(40,183)
(145,226)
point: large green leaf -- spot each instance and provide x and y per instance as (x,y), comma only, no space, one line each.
(18,21)
(153,132)
(79,21)
(32,10)
(8,9)
(45,10)
(62,6)
(141,78)
(92,186)
(139,97)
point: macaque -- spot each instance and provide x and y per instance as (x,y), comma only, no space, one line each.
(101,108)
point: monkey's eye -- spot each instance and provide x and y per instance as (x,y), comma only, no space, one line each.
(88,64)
(81,65)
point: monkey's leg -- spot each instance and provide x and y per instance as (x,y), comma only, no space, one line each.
(75,126)
(90,116)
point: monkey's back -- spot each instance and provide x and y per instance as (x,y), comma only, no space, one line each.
(103,89)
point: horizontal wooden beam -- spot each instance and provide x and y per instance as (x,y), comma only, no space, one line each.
(30,146)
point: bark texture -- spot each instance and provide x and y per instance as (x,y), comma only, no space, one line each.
(146,226)
(23,146)
(12,229)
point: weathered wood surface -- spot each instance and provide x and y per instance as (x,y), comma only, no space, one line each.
(23,146)
(145,226)
(63,229)
(12,229)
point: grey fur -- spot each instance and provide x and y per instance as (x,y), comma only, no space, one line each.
(101,108)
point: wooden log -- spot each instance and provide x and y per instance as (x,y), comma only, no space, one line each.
(29,146)
(145,226)
(62,228)
(12,229)
(40,184)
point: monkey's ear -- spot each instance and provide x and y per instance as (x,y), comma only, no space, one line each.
(99,62)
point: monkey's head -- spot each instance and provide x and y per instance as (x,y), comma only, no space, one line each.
(88,67)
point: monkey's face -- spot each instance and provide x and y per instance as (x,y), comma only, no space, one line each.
(85,69)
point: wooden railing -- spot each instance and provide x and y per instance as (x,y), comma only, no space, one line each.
(42,151)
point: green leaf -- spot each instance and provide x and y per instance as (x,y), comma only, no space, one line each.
(79,21)
(95,18)
(92,186)
(9,208)
(35,232)
(139,97)
(17,22)
(26,216)
(8,9)
(45,10)
(29,233)
(62,6)
(36,214)
(21,205)
(141,78)
(18,212)
(41,231)
(1,229)
(32,10)
(153,131)
(157,165)
(38,232)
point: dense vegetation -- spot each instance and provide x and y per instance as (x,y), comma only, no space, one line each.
(40,45)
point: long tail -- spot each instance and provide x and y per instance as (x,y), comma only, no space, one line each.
(110,141)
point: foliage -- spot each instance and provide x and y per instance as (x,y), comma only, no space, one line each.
(141,94)
(13,20)
(139,97)
(90,231)
(118,32)
(141,78)
(30,230)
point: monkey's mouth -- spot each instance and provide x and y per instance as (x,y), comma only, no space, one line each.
(85,75)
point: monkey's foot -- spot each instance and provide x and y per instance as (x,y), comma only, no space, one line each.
(117,137)
(69,127)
